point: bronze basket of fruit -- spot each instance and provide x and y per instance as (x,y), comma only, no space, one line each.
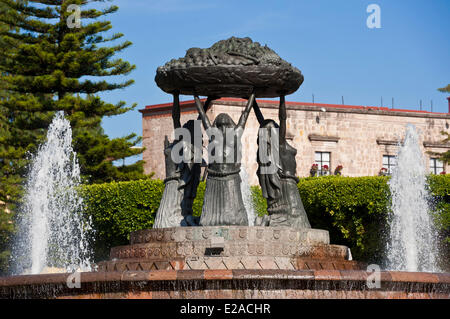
(230,68)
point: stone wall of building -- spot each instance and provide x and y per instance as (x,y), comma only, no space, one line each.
(356,137)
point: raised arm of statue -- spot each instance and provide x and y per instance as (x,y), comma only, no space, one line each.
(258,113)
(246,112)
(282,117)
(201,112)
(176,111)
(207,104)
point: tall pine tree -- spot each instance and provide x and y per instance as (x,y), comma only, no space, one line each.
(54,64)
(49,63)
(7,180)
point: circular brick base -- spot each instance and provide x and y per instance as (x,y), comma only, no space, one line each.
(228,247)
(236,284)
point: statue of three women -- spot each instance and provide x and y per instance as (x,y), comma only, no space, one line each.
(223,203)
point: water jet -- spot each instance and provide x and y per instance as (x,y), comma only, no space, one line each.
(52,231)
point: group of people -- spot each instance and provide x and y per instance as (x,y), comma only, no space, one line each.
(223,204)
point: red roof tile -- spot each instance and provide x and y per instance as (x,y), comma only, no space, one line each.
(361,107)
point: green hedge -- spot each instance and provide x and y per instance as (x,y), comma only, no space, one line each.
(353,209)
(119,208)
(440,188)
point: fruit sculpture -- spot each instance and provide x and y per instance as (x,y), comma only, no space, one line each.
(233,68)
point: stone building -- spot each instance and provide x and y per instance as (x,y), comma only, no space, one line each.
(362,139)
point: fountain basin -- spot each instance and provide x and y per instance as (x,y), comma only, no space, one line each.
(229,247)
(223,284)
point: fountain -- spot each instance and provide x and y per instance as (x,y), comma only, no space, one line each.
(227,254)
(412,238)
(52,234)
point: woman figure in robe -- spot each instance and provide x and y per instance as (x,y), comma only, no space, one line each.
(223,203)
(182,178)
(279,184)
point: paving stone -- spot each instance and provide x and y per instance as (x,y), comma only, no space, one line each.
(177,264)
(284,263)
(267,263)
(233,262)
(196,264)
(215,263)
(250,262)
(163,265)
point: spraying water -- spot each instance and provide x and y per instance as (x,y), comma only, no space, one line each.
(247,196)
(52,232)
(412,241)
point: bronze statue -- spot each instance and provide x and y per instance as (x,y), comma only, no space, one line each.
(181,180)
(223,204)
(285,207)
(236,67)
(169,211)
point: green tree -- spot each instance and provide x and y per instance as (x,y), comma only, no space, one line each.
(53,65)
(49,63)
(6,214)
(445,89)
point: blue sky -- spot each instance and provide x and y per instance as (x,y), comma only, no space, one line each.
(328,40)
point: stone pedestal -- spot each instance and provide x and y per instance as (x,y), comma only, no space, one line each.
(229,247)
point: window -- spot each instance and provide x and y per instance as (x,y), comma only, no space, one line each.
(389,162)
(436,166)
(322,159)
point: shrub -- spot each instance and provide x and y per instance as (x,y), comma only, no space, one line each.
(259,202)
(439,186)
(352,209)
(440,189)
(355,210)
(117,209)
